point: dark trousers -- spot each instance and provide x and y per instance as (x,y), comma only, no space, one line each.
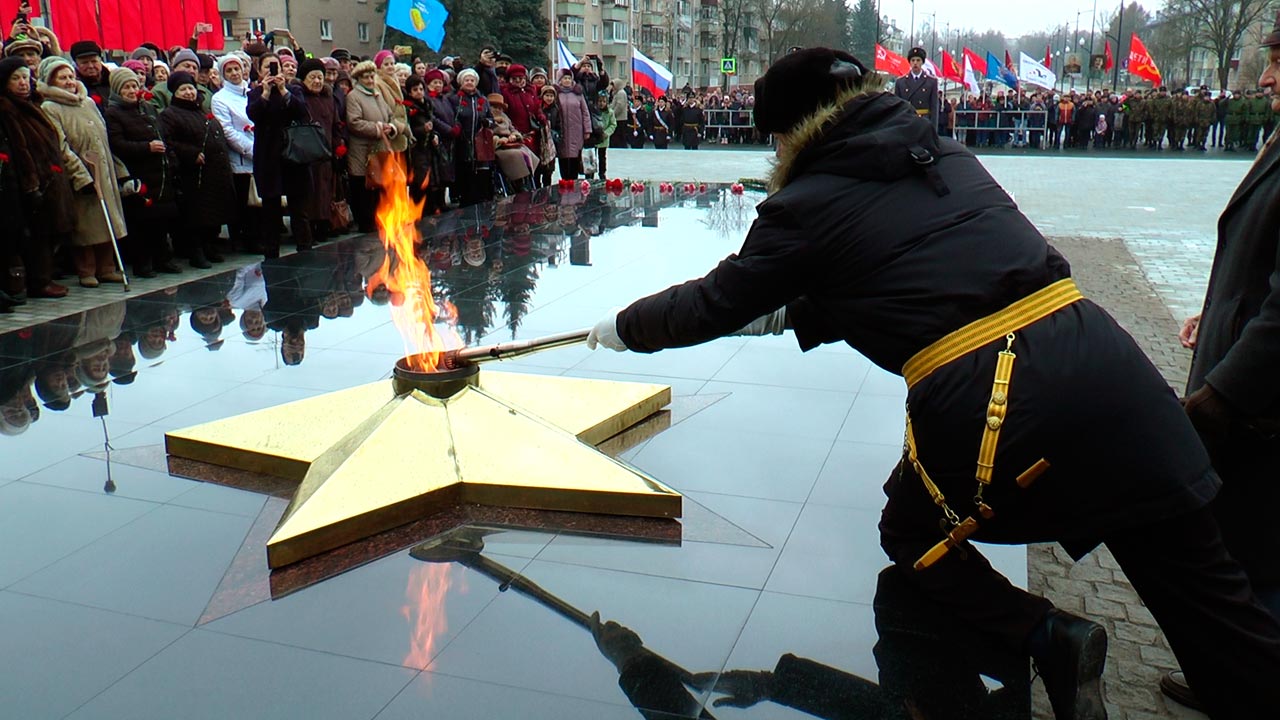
(146,246)
(570,168)
(542,176)
(364,202)
(1227,643)
(474,183)
(602,153)
(244,226)
(273,216)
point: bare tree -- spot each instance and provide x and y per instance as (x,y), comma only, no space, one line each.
(1222,23)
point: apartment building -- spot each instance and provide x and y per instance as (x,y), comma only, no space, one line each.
(319,25)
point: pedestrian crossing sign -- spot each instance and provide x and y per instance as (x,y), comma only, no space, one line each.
(728,66)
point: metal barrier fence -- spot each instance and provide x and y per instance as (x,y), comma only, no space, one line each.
(1023,128)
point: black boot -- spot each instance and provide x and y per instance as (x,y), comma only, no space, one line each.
(212,255)
(1069,653)
(198,260)
(1174,686)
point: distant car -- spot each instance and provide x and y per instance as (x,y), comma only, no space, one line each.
(1195,90)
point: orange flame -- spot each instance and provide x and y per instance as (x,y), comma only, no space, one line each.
(404,273)
(424,610)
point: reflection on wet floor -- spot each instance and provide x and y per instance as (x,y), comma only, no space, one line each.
(151,597)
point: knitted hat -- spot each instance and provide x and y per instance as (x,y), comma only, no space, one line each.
(330,63)
(8,67)
(206,61)
(136,66)
(382,56)
(514,71)
(340,54)
(13,47)
(50,65)
(436,74)
(227,59)
(362,67)
(185,55)
(468,73)
(565,71)
(85,48)
(179,79)
(536,72)
(284,51)
(801,82)
(122,76)
(309,66)
(143,52)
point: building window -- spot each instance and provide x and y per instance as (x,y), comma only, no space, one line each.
(621,3)
(258,26)
(362,32)
(595,32)
(228,28)
(708,13)
(572,27)
(326,29)
(615,31)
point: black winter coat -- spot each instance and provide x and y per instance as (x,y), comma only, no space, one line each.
(422,152)
(473,115)
(207,192)
(270,117)
(131,128)
(323,111)
(861,246)
(10,203)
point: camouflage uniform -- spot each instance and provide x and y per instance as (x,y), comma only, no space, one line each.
(1136,118)
(1179,120)
(1206,116)
(1235,121)
(1161,114)
(1256,114)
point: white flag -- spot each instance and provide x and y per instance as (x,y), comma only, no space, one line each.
(930,69)
(971,78)
(564,56)
(1033,71)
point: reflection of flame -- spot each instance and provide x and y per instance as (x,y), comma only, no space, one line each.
(403,272)
(424,610)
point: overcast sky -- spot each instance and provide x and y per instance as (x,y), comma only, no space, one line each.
(1012,17)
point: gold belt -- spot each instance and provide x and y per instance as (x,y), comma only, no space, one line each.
(1020,314)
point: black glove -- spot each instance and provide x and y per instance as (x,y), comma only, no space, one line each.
(89,190)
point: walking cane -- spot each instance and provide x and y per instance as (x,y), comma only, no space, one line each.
(106,214)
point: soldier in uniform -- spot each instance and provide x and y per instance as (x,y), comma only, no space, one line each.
(1161,106)
(1233,390)
(1206,116)
(1235,120)
(1136,119)
(1032,416)
(1179,119)
(1255,116)
(919,88)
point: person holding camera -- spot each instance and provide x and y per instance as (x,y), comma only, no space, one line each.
(272,108)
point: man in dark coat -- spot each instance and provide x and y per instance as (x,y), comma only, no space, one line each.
(89,69)
(919,88)
(1081,443)
(1234,388)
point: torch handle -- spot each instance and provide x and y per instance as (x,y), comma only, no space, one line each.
(511,350)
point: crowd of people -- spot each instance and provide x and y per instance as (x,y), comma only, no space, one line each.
(155,154)
(1155,119)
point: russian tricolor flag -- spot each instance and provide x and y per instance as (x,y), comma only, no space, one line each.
(646,73)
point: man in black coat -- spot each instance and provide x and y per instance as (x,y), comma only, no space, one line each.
(919,88)
(1234,387)
(1032,416)
(89,69)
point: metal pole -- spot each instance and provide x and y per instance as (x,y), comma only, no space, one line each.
(913,26)
(1093,29)
(1115,77)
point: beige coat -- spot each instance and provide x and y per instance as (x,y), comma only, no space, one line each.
(394,97)
(364,112)
(78,121)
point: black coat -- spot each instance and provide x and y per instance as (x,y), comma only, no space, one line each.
(1239,337)
(860,246)
(921,93)
(270,117)
(207,192)
(131,128)
(323,110)
(10,203)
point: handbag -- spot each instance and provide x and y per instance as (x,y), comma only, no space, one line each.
(484,146)
(304,144)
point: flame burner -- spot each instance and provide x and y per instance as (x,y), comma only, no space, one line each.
(443,383)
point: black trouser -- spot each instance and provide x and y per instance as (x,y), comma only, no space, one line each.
(1227,643)
(244,226)
(364,201)
(145,247)
(542,176)
(602,154)
(474,183)
(273,216)
(570,168)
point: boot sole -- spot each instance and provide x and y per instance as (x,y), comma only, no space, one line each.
(1093,658)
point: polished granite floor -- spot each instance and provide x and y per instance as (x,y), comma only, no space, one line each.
(127,591)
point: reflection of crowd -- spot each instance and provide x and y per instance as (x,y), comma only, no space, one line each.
(485,261)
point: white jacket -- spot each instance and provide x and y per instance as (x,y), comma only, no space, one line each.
(231,108)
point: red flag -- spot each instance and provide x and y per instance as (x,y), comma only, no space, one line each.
(1048,58)
(1008,62)
(891,62)
(977,62)
(9,11)
(1140,62)
(951,69)
(1111,61)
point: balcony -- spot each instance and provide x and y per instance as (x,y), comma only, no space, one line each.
(228,6)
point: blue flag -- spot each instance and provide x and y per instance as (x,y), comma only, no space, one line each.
(423,19)
(998,72)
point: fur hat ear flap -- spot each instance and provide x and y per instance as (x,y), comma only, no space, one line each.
(844,69)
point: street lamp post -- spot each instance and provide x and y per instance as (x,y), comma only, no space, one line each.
(1115,78)
(913,25)
(1093,30)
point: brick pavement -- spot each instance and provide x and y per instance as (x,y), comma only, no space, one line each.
(1138,653)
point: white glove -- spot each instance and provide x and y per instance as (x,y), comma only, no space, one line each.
(606,333)
(130,187)
(772,324)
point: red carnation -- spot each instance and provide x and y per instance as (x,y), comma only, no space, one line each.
(248,128)
(56,168)
(4,158)
(407,103)
(147,95)
(209,116)
(142,188)
(96,98)
(148,202)
(341,152)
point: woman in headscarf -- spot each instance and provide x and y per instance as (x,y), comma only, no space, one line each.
(548,136)
(35,159)
(323,111)
(574,126)
(272,108)
(68,107)
(207,197)
(474,178)
(150,186)
(369,124)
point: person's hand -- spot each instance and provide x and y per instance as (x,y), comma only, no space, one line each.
(742,688)
(156,146)
(1213,417)
(606,333)
(1190,332)
(130,187)
(616,642)
(200,159)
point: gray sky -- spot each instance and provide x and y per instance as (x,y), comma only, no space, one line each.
(1012,17)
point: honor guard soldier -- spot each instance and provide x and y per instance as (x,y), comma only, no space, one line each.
(919,88)
(1031,415)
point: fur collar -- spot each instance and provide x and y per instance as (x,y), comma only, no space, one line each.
(63,97)
(806,133)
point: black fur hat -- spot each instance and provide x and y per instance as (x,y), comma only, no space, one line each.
(918,53)
(801,82)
